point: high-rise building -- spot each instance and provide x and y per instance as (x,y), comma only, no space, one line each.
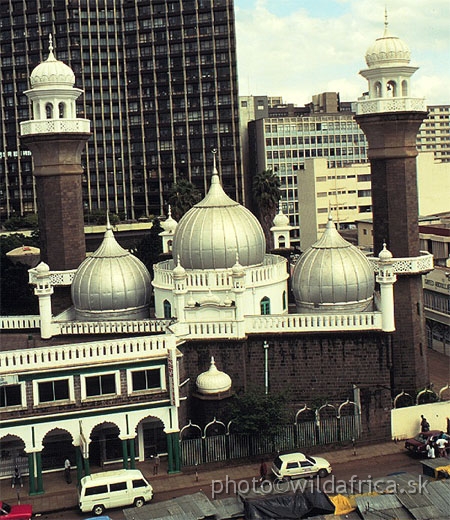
(160,87)
(434,133)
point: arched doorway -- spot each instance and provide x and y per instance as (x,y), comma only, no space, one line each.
(154,439)
(105,446)
(12,454)
(58,446)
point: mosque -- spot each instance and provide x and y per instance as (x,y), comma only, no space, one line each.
(133,360)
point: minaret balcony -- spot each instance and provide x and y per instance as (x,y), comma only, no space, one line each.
(390,104)
(411,265)
(55,126)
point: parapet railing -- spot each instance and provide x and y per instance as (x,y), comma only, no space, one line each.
(410,265)
(44,358)
(46,126)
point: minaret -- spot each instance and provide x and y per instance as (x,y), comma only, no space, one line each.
(56,138)
(390,117)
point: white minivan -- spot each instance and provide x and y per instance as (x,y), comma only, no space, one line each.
(107,489)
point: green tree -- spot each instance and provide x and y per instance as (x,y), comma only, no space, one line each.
(258,413)
(16,295)
(150,247)
(182,196)
(266,195)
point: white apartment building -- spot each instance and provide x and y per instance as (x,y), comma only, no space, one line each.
(434,134)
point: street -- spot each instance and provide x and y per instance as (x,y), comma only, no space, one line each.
(351,472)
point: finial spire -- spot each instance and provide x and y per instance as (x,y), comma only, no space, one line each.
(170,211)
(51,56)
(214,152)
(108,223)
(386,23)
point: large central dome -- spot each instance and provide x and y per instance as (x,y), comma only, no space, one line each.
(211,233)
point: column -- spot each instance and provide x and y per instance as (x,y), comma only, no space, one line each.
(132,454)
(173,452)
(31,469)
(79,463)
(125,453)
(40,485)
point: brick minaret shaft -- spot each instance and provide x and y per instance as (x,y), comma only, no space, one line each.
(392,154)
(58,173)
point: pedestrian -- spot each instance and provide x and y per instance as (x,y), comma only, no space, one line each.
(262,471)
(424,424)
(430,451)
(441,445)
(67,473)
(156,462)
(16,478)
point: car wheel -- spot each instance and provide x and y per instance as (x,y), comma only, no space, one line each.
(139,502)
(98,509)
(323,473)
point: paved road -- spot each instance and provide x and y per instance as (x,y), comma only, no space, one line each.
(351,472)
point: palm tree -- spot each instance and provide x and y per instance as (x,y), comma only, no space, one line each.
(182,196)
(266,195)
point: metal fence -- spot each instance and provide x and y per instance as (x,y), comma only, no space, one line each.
(206,448)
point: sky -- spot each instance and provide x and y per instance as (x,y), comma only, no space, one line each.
(298,48)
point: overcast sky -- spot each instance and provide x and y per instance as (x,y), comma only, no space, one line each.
(297,48)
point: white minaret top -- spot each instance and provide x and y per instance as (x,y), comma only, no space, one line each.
(389,74)
(53,97)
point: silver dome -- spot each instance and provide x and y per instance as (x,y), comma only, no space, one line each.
(111,284)
(210,234)
(333,276)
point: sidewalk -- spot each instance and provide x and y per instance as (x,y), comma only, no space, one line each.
(59,495)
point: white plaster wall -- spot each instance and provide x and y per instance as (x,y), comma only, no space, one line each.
(405,422)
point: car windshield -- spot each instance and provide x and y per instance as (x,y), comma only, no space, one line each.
(421,438)
(6,508)
(277,463)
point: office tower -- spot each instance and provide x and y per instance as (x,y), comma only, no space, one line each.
(434,133)
(160,87)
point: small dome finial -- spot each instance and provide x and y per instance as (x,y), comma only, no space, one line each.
(170,211)
(50,42)
(108,222)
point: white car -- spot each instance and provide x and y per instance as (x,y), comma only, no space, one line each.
(297,465)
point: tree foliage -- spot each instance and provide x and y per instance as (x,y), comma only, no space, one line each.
(182,196)
(266,194)
(16,295)
(257,413)
(150,247)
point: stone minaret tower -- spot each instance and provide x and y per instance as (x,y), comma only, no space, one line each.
(390,117)
(56,138)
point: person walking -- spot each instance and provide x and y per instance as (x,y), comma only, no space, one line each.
(156,462)
(441,444)
(67,474)
(262,471)
(424,424)
(16,478)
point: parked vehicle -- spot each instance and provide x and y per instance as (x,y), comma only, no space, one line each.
(297,465)
(20,512)
(418,444)
(101,491)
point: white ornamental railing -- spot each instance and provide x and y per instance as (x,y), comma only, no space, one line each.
(51,126)
(413,265)
(313,322)
(111,327)
(44,358)
(19,322)
(56,277)
(400,104)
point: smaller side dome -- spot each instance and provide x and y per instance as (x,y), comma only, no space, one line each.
(280,220)
(170,224)
(52,72)
(111,284)
(333,276)
(385,254)
(213,381)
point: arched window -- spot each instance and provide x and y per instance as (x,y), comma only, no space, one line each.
(378,89)
(167,309)
(404,88)
(265,305)
(281,241)
(284,300)
(49,111)
(62,110)
(169,244)
(392,89)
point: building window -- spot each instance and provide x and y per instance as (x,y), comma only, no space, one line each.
(50,391)
(148,379)
(167,309)
(265,306)
(101,384)
(10,395)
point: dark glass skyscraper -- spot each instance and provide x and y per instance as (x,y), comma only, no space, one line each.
(160,87)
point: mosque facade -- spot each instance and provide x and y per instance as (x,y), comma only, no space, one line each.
(113,377)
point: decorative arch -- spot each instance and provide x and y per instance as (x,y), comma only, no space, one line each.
(48,111)
(105,443)
(304,414)
(167,309)
(196,431)
(405,92)
(444,389)
(62,110)
(391,88)
(378,89)
(402,400)
(214,427)
(426,396)
(57,447)
(281,241)
(265,305)
(13,454)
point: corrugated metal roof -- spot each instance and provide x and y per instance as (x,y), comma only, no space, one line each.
(374,507)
